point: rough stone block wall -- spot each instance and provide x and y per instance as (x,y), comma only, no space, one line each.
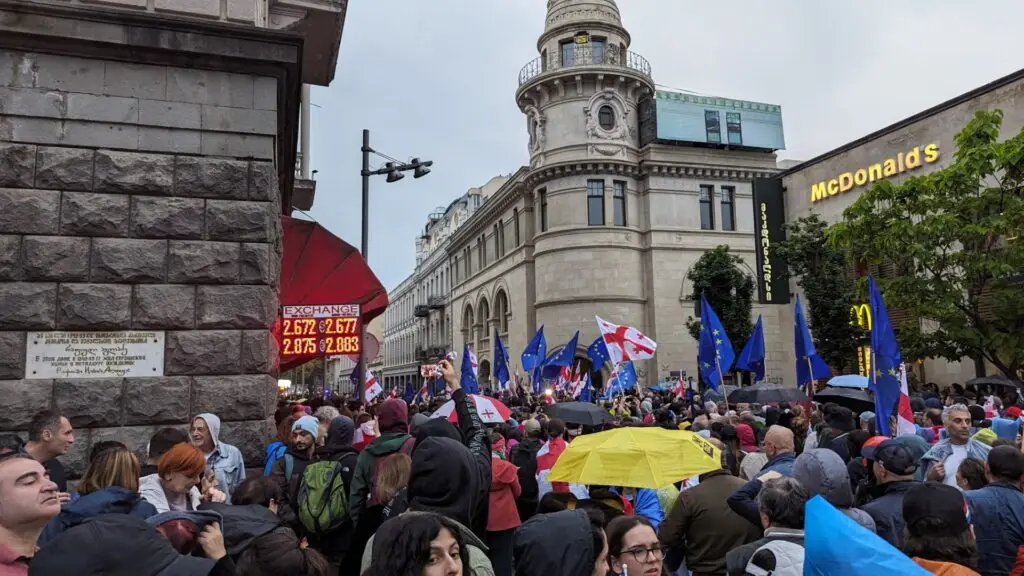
(103,232)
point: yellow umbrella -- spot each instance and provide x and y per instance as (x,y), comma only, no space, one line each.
(636,457)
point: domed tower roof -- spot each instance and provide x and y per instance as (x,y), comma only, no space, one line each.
(564,14)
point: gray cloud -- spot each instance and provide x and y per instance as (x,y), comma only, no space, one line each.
(437,78)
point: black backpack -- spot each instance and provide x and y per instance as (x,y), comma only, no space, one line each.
(526,459)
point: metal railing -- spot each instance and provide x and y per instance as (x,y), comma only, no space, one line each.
(585,55)
(421,311)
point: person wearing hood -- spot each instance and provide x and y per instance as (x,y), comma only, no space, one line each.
(452,479)
(287,471)
(224,459)
(338,448)
(822,472)
(110,485)
(120,544)
(566,543)
(393,421)
(502,517)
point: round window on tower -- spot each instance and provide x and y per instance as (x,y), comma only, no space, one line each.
(606,117)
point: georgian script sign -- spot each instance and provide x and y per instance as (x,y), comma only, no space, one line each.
(126,354)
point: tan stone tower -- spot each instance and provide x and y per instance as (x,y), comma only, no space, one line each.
(580,98)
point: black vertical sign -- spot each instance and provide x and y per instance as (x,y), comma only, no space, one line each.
(769,217)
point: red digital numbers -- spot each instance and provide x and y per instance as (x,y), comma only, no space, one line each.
(316,336)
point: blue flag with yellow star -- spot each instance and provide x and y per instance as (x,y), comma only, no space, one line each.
(715,353)
(752,356)
(885,380)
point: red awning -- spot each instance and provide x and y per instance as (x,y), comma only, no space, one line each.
(319,268)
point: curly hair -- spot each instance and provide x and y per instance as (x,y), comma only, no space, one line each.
(960,549)
(406,551)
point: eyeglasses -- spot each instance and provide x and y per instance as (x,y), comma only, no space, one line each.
(645,554)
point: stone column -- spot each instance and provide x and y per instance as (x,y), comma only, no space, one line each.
(143,195)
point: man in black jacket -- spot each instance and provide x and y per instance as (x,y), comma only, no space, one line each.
(524,455)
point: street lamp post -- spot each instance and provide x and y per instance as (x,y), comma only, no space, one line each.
(394,171)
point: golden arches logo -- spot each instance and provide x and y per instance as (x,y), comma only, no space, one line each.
(862,315)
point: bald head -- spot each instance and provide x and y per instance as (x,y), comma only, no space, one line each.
(778,440)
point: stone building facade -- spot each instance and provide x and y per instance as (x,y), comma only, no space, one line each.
(145,161)
(418,324)
(601,221)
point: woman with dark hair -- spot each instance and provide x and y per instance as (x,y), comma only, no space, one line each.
(937,532)
(633,547)
(424,544)
(281,553)
(971,474)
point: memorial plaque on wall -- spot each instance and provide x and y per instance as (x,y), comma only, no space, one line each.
(127,354)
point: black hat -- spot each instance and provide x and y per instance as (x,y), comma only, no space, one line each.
(933,509)
(977,413)
(893,455)
(841,418)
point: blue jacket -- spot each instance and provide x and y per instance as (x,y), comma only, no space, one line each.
(744,500)
(997,513)
(113,500)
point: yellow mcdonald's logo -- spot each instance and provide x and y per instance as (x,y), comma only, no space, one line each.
(861,315)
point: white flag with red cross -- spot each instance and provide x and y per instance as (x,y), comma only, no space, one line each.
(625,342)
(371,388)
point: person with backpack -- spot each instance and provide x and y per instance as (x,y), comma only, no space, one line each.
(337,453)
(277,448)
(288,471)
(393,421)
(524,456)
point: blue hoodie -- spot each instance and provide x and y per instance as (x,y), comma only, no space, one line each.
(113,500)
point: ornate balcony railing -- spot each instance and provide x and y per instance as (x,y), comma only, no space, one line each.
(585,55)
(436,302)
(421,311)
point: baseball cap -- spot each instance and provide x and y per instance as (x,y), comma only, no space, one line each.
(893,455)
(531,426)
(933,509)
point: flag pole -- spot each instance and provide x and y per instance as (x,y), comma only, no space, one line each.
(721,380)
(810,373)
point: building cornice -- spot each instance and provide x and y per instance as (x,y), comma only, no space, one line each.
(607,167)
(500,201)
(654,168)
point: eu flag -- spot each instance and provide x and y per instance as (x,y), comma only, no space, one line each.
(598,354)
(564,357)
(410,392)
(752,357)
(468,380)
(500,362)
(809,366)
(535,351)
(715,353)
(622,379)
(585,393)
(885,380)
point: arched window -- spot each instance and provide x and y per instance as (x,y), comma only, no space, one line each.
(501,311)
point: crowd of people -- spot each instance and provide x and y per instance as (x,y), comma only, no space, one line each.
(384,490)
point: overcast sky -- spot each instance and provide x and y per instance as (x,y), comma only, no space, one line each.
(437,79)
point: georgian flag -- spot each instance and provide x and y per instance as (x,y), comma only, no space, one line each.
(680,389)
(625,342)
(474,364)
(371,388)
(424,393)
(904,413)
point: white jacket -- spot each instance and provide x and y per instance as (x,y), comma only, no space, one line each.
(152,491)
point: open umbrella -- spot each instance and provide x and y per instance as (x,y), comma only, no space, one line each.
(996,381)
(765,393)
(635,457)
(856,399)
(491,410)
(724,389)
(583,413)
(849,381)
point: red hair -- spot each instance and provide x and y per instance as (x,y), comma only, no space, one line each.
(183,458)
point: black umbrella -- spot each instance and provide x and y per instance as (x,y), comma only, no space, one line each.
(583,413)
(856,399)
(722,389)
(765,393)
(995,381)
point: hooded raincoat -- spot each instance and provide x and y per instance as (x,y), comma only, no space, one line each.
(225,460)
(821,471)
(561,543)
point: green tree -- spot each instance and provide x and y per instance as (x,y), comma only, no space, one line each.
(719,275)
(955,238)
(820,269)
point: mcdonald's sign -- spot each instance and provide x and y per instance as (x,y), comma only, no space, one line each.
(860,315)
